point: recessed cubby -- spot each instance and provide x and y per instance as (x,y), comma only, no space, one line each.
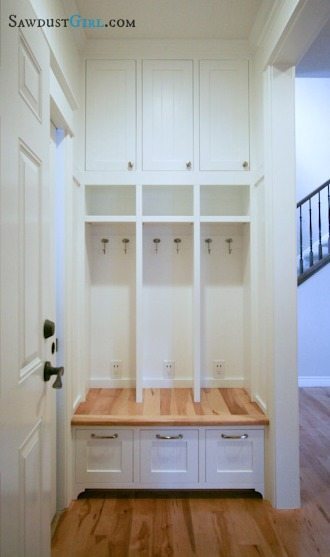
(167,304)
(171,201)
(111,272)
(225,279)
(110,201)
(226,201)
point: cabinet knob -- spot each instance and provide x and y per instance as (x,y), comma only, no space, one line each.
(188,165)
(245,164)
(130,165)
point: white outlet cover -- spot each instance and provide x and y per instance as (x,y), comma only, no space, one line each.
(219,368)
(169,368)
(116,368)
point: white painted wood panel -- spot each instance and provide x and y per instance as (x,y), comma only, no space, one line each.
(30,260)
(222,303)
(235,458)
(168,456)
(167,303)
(224,115)
(111,115)
(29,77)
(30,461)
(167,115)
(104,455)
(112,303)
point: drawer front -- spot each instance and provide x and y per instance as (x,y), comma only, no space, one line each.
(235,458)
(168,456)
(104,455)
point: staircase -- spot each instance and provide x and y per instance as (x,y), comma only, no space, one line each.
(313,231)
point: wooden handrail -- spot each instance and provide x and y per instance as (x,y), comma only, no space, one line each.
(310,195)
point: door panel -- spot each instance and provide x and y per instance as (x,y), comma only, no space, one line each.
(110,115)
(224,115)
(30,310)
(27,297)
(167,115)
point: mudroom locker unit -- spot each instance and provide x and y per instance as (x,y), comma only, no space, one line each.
(169,231)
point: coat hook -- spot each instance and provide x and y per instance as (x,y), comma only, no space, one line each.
(104,241)
(208,241)
(125,242)
(156,241)
(177,242)
(229,242)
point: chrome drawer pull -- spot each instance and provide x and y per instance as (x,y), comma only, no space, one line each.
(114,436)
(169,436)
(244,436)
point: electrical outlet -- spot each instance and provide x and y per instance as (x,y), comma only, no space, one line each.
(218,368)
(116,368)
(169,368)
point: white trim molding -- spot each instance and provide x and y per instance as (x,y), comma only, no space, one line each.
(314,381)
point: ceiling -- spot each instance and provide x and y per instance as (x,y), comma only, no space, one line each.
(170,19)
(316,62)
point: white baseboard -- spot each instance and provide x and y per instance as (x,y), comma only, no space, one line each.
(101,383)
(230,382)
(314,381)
(76,403)
(150,383)
(262,405)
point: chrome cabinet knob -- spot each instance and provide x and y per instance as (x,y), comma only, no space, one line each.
(188,165)
(130,165)
(245,165)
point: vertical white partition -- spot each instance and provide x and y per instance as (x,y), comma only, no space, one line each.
(139,293)
(196,297)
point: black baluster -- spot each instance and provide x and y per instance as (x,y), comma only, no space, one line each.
(311,254)
(301,261)
(320,229)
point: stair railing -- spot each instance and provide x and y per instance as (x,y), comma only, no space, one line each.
(316,256)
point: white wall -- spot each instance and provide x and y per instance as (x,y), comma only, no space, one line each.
(312,133)
(313,330)
(313,169)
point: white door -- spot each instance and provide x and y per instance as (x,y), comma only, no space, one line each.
(224,115)
(167,115)
(111,115)
(26,289)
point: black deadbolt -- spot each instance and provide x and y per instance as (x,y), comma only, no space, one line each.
(49,328)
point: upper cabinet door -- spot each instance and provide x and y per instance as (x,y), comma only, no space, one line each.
(111,115)
(167,115)
(224,115)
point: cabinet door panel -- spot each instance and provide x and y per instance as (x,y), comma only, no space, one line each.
(224,115)
(167,114)
(234,458)
(110,115)
(169,456)
(104,455)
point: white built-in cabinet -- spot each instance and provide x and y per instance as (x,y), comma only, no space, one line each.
(110,115)
(167,114)
(224,115)
(168,237)
(184,127)
(169,457)
(169,253)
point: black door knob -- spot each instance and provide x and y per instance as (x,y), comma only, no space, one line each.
(49,370)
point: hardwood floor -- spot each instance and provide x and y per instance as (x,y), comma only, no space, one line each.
(213,526)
